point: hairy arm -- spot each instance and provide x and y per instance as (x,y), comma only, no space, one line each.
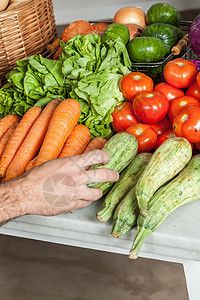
(10,204)
(55,187)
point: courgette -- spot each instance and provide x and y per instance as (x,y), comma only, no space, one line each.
(122,148)
(128,178)
(166,162)
(184,188)
(125,216)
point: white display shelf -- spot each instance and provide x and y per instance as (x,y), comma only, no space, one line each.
(176,240)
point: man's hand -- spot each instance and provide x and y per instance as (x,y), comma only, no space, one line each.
(60,185)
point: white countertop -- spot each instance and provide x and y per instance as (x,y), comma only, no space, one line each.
(178,237)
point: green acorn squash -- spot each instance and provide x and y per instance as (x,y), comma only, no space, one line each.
(146,49)
(163,13)
(116,31)
(164,32)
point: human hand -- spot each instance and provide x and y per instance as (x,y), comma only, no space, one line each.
(60,185)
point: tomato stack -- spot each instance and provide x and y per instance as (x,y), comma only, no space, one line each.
(154,113)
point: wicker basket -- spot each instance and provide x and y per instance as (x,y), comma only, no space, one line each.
(25,30)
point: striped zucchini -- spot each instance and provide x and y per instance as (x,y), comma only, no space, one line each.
(122,148)
(125,216)
(166,162)
(184,188)
(128,178)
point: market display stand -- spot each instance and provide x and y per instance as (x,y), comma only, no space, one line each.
(176,240)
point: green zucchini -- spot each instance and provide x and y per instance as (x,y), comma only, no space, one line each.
(122,148)
(125,216)
(128,178)
(184,188)
(166,162)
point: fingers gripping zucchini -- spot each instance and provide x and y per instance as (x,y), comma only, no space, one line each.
(166,162)
(184,188)
(122,148)
(128,178)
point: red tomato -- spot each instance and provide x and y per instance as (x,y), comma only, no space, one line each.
(150,107)
(168,90)
(180,72)
(178,104)
(198,79)
(197,145)
(145,136)
(162,126)
(123,116)
(187,124)
(194,90)
(120,132)
(163,137)
(134,83)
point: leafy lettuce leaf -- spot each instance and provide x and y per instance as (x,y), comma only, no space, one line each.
(98,94)
(87,71)
(93,71)
(13,101)
(35,81)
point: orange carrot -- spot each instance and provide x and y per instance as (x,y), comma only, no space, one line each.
(6,122)
(31,164)
(32,142)
(96,143)
(18,137)
(64,118)
(57,53)
(6,137)
(76,142)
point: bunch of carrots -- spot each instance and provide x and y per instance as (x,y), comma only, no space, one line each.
(80,27)
(43,135)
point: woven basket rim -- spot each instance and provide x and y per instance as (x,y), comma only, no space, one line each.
(24,31)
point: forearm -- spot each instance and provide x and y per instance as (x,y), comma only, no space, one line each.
(11,204)
(55,187)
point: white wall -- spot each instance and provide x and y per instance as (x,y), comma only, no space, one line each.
(67,11)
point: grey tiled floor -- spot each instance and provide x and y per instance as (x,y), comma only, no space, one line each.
(33,270)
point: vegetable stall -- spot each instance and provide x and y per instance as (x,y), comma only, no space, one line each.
(148,120)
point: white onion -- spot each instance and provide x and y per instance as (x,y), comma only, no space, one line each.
(127,15)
